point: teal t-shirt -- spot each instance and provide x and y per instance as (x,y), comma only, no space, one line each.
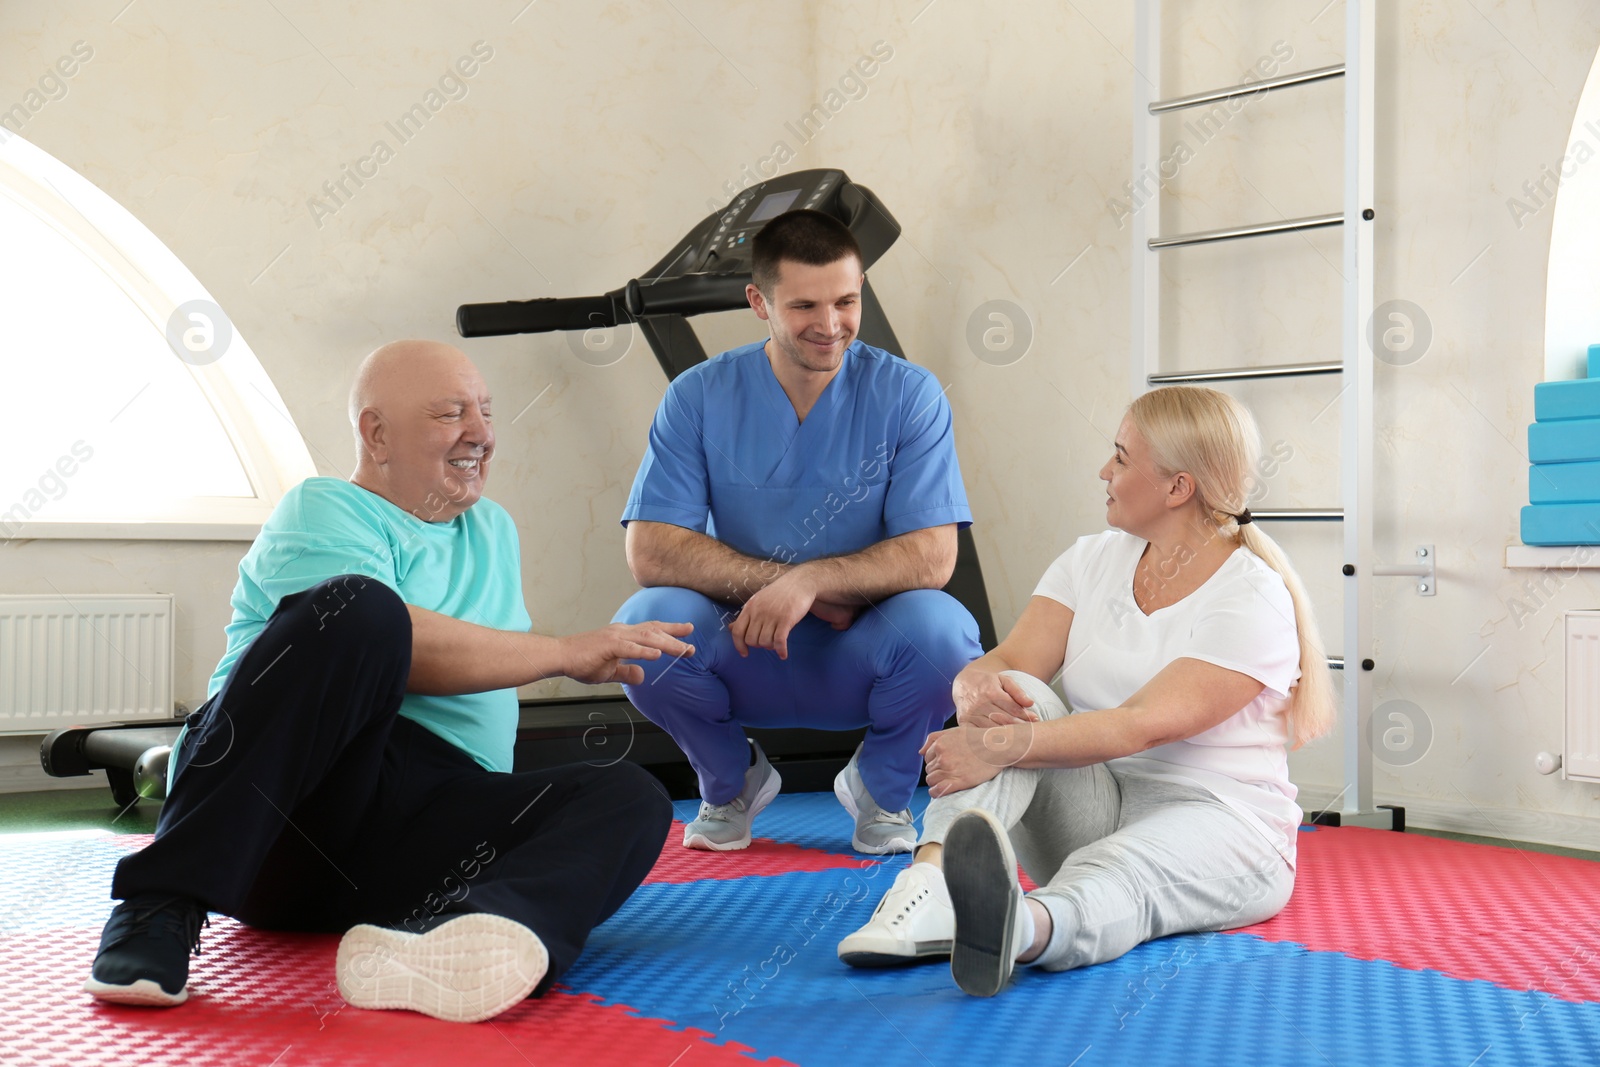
(469,568)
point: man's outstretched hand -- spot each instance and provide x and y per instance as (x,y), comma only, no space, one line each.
(600,655)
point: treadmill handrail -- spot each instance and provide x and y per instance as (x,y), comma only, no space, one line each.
(687,294)
(542,315)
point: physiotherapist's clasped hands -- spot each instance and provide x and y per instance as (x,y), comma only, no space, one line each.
(767,617)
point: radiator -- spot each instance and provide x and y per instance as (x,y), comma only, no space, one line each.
(79,660)
(1580,756)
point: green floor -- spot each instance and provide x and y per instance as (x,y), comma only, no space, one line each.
(92,809)
(73,809)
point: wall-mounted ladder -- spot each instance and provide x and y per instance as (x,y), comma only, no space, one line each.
(1355,477)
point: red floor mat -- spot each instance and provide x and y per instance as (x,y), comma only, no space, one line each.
(763,857)
(259,998)
(1524,920)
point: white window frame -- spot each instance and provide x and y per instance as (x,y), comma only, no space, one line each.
(237,387)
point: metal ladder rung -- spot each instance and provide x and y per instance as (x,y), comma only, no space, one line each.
(1300,515)
(1150,108)
(1258,229)
(1304,77)
(1239,374)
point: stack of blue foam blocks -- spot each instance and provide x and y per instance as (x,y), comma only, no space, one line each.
(1564,447)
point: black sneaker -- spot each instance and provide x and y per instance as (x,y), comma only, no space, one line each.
(144,951)
(980,870)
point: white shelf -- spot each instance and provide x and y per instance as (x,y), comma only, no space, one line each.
(1541,557)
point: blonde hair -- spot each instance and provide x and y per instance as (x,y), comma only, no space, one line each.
(1213,438)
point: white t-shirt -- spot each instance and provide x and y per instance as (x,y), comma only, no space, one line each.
(1242,619)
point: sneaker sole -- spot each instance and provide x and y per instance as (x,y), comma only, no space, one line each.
(144,993)
(899,844)
(848,802)
(465,970)
(980,871)
(926,952)
(705,844)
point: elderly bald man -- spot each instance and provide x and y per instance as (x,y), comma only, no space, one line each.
(351,769)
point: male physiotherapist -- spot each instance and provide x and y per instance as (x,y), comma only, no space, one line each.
(798,503)
(351,770)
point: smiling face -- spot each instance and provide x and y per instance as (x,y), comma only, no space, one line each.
(1139,497)
(422,411)
(814,313)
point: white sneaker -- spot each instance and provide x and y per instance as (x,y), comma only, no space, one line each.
(726,827)
(987,901)
(914,921)
(877,831)
(464,970)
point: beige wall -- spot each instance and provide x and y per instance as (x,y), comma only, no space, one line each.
(999,145)
(596,133)
(583,145)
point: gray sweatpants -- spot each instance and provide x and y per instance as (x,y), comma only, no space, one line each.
(1122,858)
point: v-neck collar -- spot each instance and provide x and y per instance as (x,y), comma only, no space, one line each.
(826,400)
(804,435)
(1134,571)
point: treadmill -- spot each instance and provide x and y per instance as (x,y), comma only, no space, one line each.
(705,272)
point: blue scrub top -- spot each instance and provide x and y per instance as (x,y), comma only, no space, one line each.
(728,457)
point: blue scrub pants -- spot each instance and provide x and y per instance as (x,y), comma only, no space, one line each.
(891,672)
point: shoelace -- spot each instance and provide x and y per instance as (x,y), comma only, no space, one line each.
(722,812)
(898,818)
(909,906)
(864,801)
(175,914)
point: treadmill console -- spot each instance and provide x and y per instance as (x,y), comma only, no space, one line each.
(728,245)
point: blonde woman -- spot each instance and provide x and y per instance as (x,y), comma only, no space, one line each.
(1163,805)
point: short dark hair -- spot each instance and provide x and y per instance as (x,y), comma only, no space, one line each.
(803,236)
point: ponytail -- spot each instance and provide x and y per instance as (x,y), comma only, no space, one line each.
(1311,702)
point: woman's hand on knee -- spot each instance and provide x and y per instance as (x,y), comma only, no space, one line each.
(988,698)
(967,756)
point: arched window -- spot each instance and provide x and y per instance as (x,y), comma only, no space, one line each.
(1572,283)
(132,407)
